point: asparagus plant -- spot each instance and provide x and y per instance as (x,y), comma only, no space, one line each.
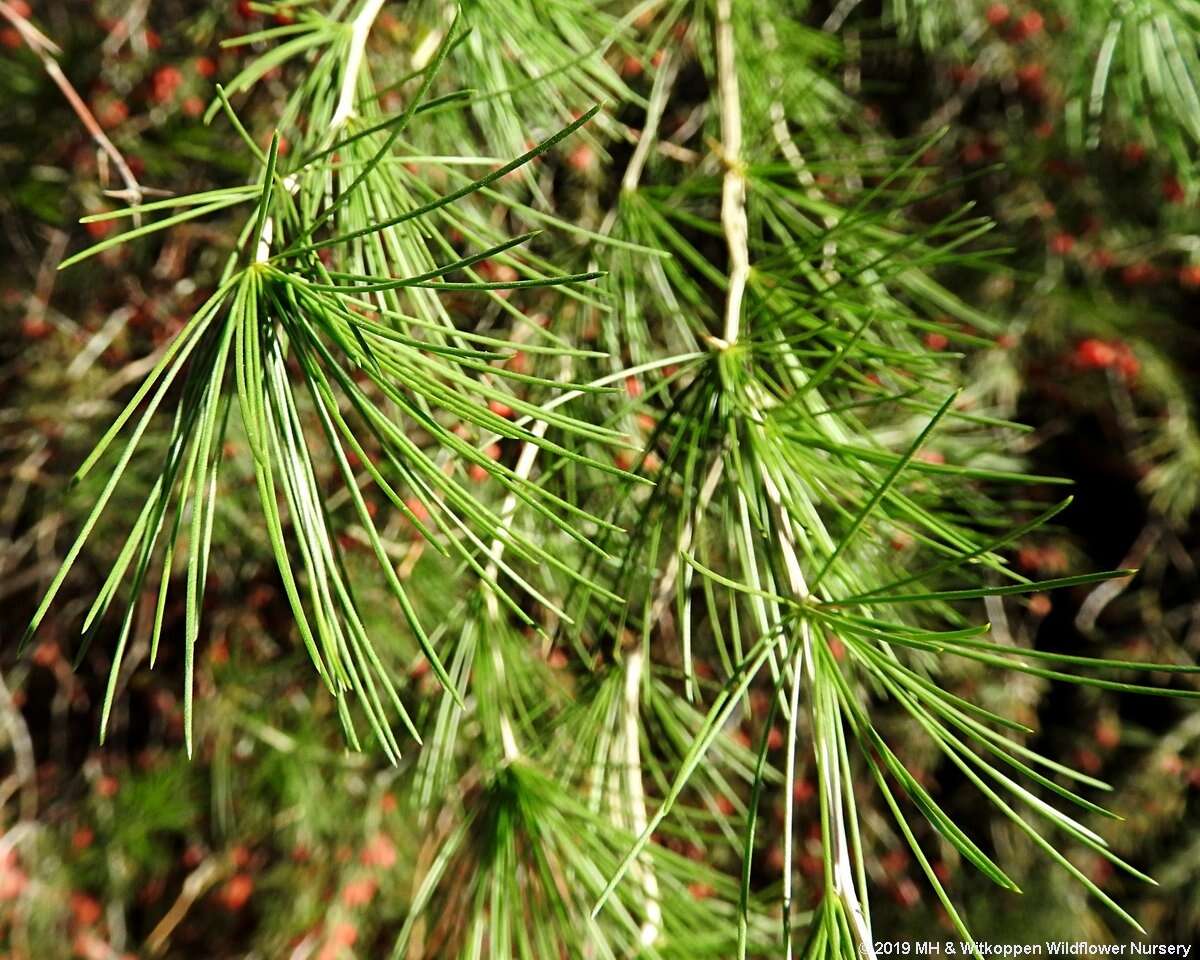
(700,441)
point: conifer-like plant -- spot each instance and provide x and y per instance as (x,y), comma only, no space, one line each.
(702,440)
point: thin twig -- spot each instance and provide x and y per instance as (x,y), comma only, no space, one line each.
(830,783)
(649,931)
(360,29)
(47,50)
(949,111)
(659,96)
(733,187)
(197,882)
(791,153)
(23,756)
(1109,590)
(125,28)
(667,579)
(47,274)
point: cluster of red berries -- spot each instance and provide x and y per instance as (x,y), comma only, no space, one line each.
(1018,29)
(1095,354)
(1140,273)
(245,10)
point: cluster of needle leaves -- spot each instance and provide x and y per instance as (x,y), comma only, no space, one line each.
(370,355)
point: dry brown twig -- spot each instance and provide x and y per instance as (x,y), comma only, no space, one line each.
(47,51)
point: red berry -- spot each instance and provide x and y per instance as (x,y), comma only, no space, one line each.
(936,341)
(99,229)
(1172,190)
(379,852)
(417,508)
(358,893)
(1172,764)
(1062,244)
(1107,734)
(10,38)
(13,879)
(344,934)
(1030,78)
(205,66)
(960,73)
(1040,605)
(85,909)
(1029,25)
(1093,354)
(1137,274)
(973,153)
(803,791)
(111,112)
(1128,365)
(582,158)
(1029,558)
(1133,153)
(998,14)
(1088,760)
(166,81)
(1189,276)
(907,893)
(894,861)
(236,891)
(82,838)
